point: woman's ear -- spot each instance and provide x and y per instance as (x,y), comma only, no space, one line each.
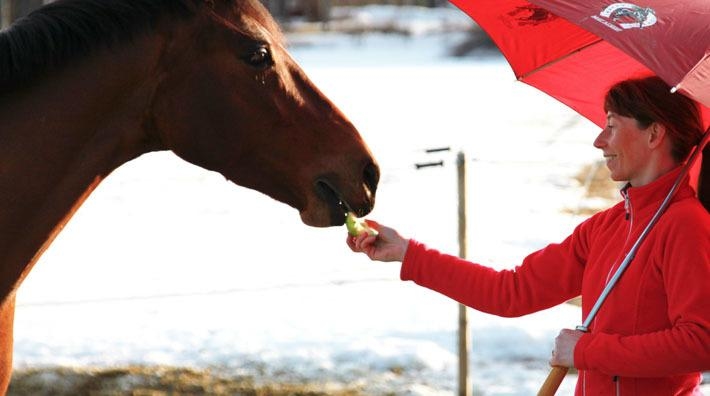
(656,135)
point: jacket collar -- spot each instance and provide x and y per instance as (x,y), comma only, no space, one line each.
(655,192)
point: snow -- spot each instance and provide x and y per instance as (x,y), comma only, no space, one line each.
(405,20)
(169,264)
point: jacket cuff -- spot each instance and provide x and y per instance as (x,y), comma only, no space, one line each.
(406,272)
(580,361)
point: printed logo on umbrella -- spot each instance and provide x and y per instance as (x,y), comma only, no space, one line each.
(620,16)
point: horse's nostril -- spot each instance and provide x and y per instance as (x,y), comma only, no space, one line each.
(371,176)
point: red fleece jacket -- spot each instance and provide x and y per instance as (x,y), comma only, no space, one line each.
(652,335)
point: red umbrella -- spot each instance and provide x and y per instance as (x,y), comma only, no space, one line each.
(574,50)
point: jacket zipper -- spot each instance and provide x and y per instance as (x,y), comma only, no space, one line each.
(628,209)
(630,218)
(627,203)
(628,215)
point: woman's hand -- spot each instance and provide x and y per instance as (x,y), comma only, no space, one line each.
(563,354)
(388,245)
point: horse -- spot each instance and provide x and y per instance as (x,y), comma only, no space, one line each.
(88,85)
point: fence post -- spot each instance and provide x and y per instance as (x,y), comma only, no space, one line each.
(464,339)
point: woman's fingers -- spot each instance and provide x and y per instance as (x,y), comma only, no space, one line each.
(361,242)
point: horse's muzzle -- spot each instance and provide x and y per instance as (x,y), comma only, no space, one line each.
(359,199)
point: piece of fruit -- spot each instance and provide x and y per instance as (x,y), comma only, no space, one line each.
(357,226)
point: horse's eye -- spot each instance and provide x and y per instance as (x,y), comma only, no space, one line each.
(260,57)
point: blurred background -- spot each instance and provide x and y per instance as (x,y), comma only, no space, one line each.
(284,10)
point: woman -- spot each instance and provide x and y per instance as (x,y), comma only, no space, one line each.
(652,336)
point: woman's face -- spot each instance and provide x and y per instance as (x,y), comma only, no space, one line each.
(625,149)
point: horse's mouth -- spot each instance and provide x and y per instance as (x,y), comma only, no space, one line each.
(337,205)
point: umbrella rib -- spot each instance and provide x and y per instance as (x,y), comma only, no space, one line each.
(557,60)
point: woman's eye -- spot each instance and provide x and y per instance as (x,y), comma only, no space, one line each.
(260,57)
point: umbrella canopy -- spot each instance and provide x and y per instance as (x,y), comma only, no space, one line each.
(574,50)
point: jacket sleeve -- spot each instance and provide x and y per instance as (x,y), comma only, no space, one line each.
(545,278)
(683,259)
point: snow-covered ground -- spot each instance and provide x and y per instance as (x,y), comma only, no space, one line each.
(169,264)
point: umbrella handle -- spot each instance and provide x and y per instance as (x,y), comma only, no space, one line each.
(553,381)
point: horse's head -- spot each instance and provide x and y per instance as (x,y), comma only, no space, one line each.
(232,100)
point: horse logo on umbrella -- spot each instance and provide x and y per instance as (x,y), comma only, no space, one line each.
(620,16)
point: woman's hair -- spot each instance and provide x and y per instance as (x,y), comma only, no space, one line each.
(650,100)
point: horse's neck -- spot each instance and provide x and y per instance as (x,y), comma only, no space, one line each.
(59,139)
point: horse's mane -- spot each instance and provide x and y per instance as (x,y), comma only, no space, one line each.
(65,30)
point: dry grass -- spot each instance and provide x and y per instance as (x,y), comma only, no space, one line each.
(597,179)
(600,191)
(155,381)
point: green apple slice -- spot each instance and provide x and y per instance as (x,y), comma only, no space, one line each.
(357,226)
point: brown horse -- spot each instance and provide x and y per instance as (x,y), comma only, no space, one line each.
(87,85)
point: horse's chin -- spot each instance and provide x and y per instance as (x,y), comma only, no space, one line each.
(324,210)
(323,218)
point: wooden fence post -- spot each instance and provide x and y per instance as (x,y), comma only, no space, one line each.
(464,337)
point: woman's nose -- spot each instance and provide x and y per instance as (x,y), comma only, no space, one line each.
(600,141)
